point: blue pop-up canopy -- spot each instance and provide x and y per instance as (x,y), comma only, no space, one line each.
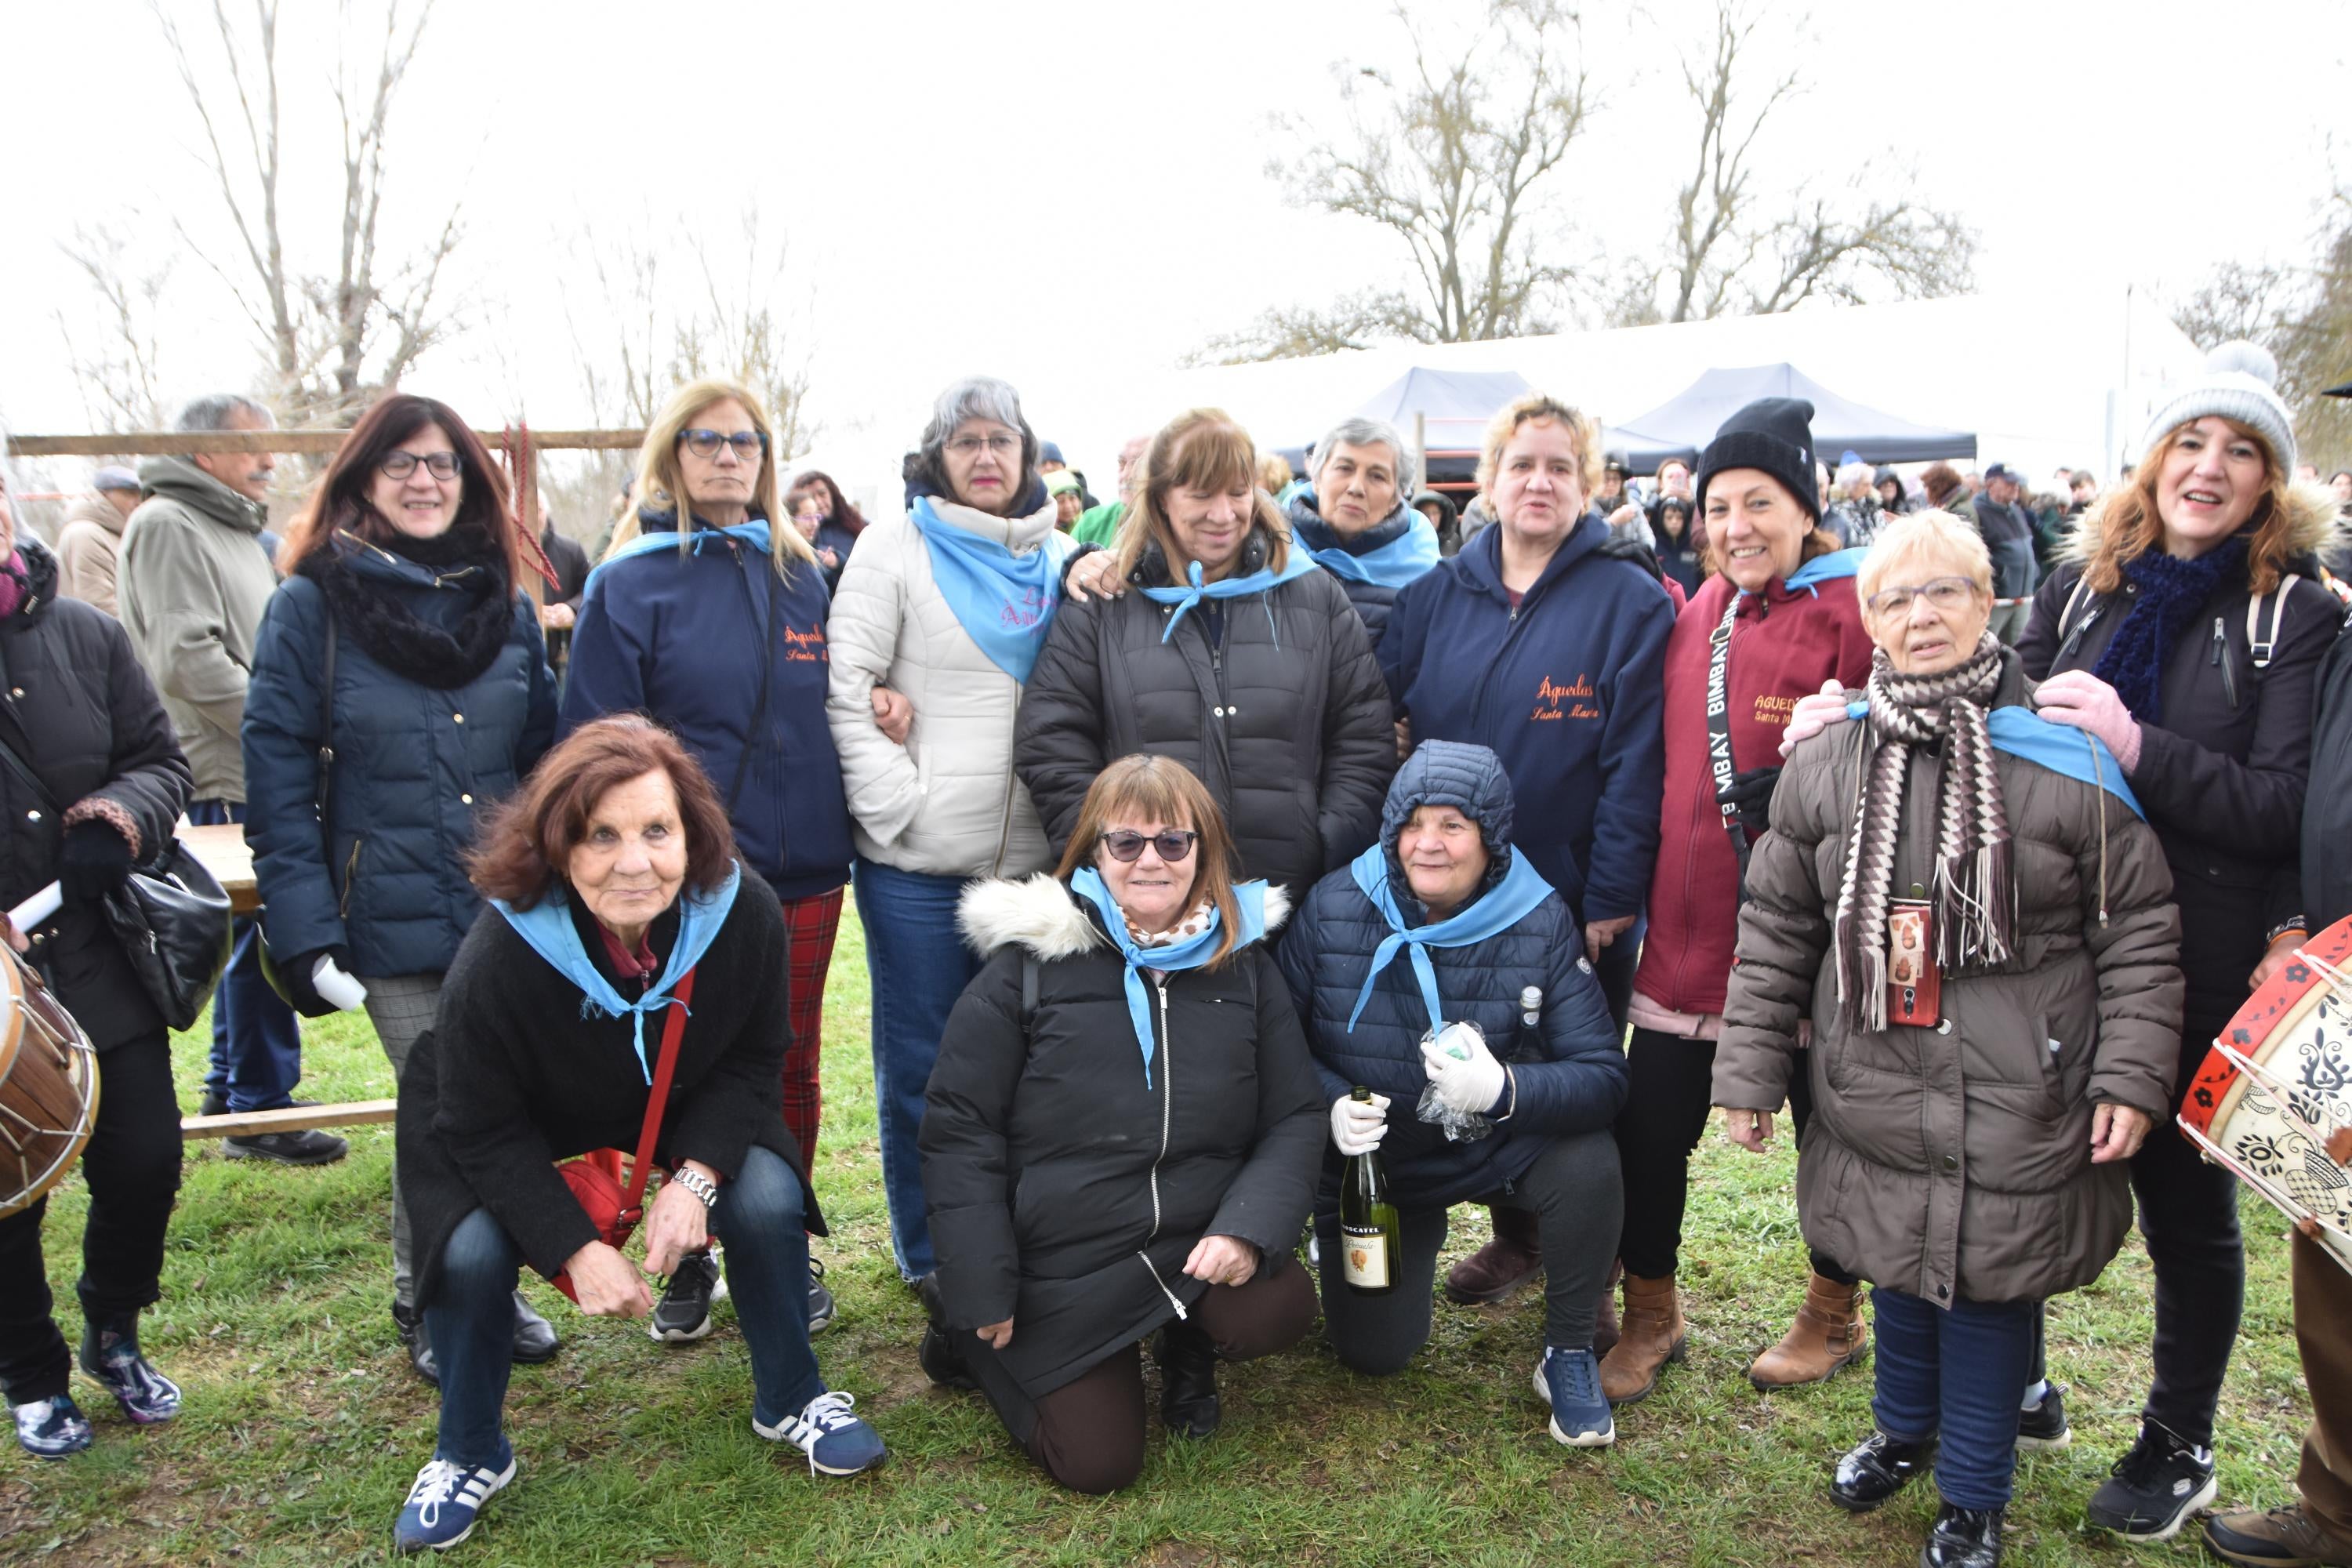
(1680,426)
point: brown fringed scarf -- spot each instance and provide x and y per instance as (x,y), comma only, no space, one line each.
(1975,893)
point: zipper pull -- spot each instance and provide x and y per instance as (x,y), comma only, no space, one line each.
(2220,640)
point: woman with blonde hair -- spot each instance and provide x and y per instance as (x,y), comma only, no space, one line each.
(1238,657)
(1122,1135)
(1541,645)
(711,622)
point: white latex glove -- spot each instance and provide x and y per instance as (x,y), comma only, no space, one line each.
(2081,699)
(1357,1126)
(1469,1079)
(1814,714)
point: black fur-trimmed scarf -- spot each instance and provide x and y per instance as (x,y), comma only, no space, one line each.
(379,619)
(1975,896)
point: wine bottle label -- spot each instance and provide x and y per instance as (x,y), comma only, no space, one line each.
(1364,1257)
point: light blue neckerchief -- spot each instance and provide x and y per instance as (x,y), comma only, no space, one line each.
(2061,748)
(1262,580)
(1189,953)
(1506,905)
(1408,557)
(547,927)
(753,533)
(1004,602)
(1824,569)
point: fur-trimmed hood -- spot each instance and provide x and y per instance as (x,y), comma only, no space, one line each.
(2311,516)
(1040,914)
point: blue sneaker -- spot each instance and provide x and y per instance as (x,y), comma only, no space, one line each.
(51,1428)
(444,1503)
(836,1443)
(1569,1381)
(111,1356)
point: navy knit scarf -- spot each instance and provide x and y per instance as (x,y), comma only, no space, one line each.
(2171,592)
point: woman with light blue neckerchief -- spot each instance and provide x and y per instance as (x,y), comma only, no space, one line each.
(1354,520)
(1122,1133)
(714,629)
(1238,657)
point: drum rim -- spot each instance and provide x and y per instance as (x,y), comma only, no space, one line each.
(2283,1003)
(60,1167)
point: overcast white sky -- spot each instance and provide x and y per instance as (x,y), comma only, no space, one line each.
(1062,193)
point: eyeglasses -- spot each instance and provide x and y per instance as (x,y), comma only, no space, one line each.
(1944,594)
(400,465)
(748,444)
(970,446)
(1126,845)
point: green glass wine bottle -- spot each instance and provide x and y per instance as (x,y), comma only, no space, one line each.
(1369,1235)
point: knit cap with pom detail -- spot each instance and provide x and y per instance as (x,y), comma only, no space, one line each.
(2240,383)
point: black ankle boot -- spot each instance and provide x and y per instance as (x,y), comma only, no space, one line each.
(1188,1380)
(410,1324)
(937,1353)
(534,1336)
(1875,1470)
(1963,1538)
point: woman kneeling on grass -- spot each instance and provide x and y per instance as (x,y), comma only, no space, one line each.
(621,897)
(1481,930)
(1122,1133)
(1962,899)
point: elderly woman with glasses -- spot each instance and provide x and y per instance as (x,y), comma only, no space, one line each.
(711,622)
(1961,901)
(1122,1135)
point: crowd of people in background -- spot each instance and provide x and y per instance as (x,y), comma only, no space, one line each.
(1204,839)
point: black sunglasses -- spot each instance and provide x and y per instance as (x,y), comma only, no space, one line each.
(1127,845)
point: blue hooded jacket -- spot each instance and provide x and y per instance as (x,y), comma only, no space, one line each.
(678,643)
(1574,1079)
(417,769)
(1568,688)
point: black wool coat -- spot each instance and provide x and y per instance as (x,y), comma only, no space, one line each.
(78,708)
(515,1075)
(1292,732)
(2222,775)
(1065,1192)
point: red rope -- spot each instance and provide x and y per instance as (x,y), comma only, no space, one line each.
(522,463)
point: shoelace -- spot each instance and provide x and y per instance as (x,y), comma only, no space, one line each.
(437,1483)
(1582,1380)
(821,1418)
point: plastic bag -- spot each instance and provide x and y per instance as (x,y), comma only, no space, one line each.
(1461,1127)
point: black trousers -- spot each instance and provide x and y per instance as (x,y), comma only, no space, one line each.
(1664,1116)
(1575,1194)
(132,1165)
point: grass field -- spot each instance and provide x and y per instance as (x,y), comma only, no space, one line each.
(303,1426)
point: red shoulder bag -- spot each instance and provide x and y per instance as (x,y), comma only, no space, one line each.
(613,1210)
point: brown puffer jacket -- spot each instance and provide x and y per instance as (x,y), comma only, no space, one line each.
(1955,1161)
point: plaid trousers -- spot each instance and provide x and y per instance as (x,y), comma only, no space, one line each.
(812,924)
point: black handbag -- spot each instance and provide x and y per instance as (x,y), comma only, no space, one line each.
(171,918)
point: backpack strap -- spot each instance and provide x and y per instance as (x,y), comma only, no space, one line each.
(2261,645)
(2082,589)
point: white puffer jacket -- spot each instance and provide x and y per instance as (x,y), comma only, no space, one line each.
(947,802)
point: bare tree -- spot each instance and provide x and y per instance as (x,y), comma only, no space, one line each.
(1453,161)
(116,361)
(333,340)
(2303,313)
(1735,251)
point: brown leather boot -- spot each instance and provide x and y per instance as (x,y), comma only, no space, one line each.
(1651,1336)
(1829,1333)
(1500,1267)
(1605,1331)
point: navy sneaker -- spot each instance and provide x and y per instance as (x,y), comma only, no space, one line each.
(1569,1381)
(2154,1488)
(444,1503)
(836,1443)
(51,1428)
(110,1353)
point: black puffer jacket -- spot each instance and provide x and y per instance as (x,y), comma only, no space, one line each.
(76,705)
(1293,735)
(2326,894)
(1372,599)
(1065,1192)
(1572,1079)
(2222,777)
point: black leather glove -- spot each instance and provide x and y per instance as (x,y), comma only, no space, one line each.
(1752,791)
(94,860)
(293,976)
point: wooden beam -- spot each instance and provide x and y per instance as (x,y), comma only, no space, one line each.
(176,442)
(293,1119)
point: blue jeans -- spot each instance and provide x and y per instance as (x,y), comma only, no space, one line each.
(1957,1372)
(256,1044)
(470,1319)
(919,966)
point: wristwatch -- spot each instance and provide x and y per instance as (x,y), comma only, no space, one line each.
(695,1182)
